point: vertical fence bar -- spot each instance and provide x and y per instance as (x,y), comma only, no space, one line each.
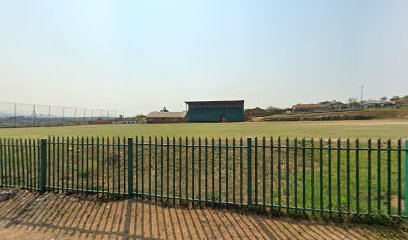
(271,173)
(8,160)
(241,172)
(97,166)
(82,165)
(53,164)
(125,156)
(13,159)
(137,164)
(304,175)
(206,170)
(1,163)
(234,172)
(130,167)
(92,162)
(10,163)
(142,166)
(379,175)
(330,174)
(108,164)
(219,173)
(22,154)
(321,173)
(338,176)
(186,170)
(295,177)
(249,159)
(161,168)
(357,175)
(279,173)
(43,166)
(389,177)
(192,170)
(77,164)
(150,167)
(155,168)
(72,164)
(226,170)
(369,176)
(58,163)
(348,175)
(312,180)
(174,171)
(406,176)
(199,170)
(263,173)
(256,171)
(168,169)
(399,177)
(287,175)
(26,160)
(87,165)
(103,166)
(180,168)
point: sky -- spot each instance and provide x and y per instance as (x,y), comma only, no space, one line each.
(142,55)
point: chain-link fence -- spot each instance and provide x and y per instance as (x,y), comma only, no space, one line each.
(33,115)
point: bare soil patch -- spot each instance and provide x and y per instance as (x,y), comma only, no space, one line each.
(29,215)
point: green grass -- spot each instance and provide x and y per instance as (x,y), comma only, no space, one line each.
(363,129)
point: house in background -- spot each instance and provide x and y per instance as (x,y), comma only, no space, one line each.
(333,106)
(378,104)
(307,108)
(165,117)
(215,111)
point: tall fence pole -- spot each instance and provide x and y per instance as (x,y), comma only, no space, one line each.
(43,165)
(130,167)
(249,152)
(406,177)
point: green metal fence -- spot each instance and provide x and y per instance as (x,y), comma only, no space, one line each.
(321,176)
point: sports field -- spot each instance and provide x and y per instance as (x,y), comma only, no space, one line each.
(362,129)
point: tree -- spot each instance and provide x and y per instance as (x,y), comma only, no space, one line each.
(353,101)
(395,98)
(270,109)
(384,99)
(164,110)
(140,116)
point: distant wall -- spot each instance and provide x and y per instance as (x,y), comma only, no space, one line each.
(227,114)
(165,120)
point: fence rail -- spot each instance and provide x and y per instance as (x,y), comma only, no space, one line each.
(34,115)
(331,176)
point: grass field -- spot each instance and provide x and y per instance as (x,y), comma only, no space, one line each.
(362,129)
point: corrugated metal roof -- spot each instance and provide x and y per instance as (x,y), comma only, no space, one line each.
(166,115)
(224,101)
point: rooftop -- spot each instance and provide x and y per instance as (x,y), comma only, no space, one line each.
(216,101)
(166,115)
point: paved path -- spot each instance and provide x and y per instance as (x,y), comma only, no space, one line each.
(32,216)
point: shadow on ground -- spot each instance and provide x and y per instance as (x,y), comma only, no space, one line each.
(32,216)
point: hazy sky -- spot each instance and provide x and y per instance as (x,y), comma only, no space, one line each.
(143,55)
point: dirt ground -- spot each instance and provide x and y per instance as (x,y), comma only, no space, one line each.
(29,215)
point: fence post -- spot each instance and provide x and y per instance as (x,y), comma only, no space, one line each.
(249,151)
(43,165)
(406,177)
(130,167)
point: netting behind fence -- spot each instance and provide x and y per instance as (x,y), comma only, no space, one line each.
(32,115)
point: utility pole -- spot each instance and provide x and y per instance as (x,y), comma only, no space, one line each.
(362,88)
